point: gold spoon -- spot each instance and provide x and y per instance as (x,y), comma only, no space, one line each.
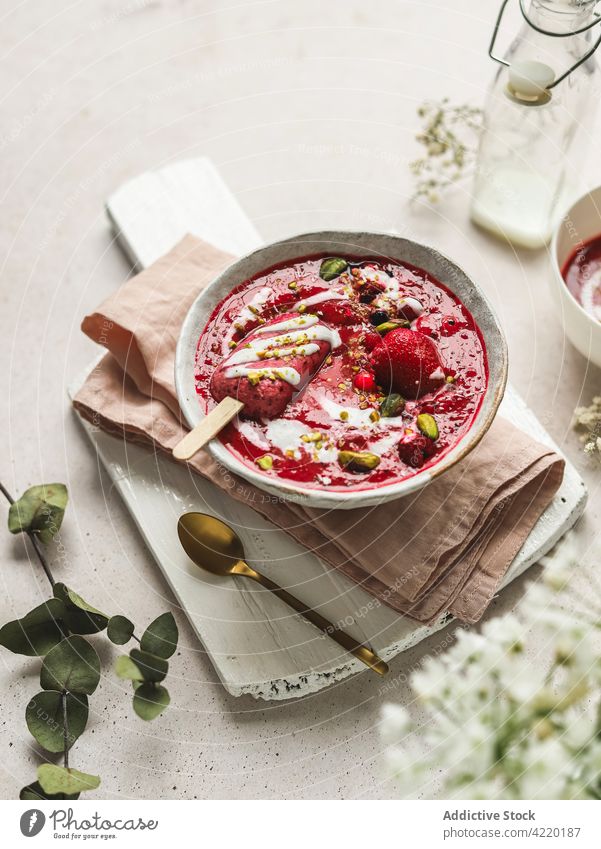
(214,546)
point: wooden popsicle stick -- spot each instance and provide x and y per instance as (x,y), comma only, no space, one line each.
(209,427)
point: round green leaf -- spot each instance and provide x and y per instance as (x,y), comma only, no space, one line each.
(34,793)
(56,779)
(40,510)
(126,668)
(37,632)
(150,700)
(332,267)
(153,668)
(160,638)
(119,630)
(45,720)
(80,617)
(71,665)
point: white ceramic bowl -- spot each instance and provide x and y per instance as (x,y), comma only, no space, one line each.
(581,223)
(380,246)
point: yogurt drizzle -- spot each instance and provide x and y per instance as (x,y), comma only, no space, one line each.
(306,330)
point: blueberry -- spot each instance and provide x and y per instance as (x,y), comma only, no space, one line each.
(378,317)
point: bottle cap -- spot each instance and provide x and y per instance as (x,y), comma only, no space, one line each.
(529,81)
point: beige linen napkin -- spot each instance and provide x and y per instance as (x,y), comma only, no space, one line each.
(446,548)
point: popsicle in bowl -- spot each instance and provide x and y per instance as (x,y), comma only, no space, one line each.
(263,374)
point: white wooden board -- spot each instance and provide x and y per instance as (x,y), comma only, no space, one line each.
(258,646)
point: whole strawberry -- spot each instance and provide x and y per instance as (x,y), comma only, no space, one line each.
(407,362)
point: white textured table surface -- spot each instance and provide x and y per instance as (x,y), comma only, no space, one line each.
(309,112)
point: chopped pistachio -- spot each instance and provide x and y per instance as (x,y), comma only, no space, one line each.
(358,461)
(293,284)
(344,415)
(374,416)
(301,308)
(427,425)
(387,326)
(392,405)
(332,267)
(254,377)
(311,437)
(231,344)
(450,379)
(265,462)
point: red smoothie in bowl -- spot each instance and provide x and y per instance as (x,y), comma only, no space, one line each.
(354,373)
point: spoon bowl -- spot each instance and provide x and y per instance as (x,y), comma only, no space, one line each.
(210,543)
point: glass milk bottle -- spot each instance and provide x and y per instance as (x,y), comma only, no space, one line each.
(537,120)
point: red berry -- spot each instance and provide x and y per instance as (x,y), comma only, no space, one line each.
(364,381)
(407,362)
(414,449)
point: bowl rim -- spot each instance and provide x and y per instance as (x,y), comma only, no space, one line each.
(586,196)
(346,499)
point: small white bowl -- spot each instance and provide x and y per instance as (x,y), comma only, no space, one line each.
(580,224)
(332,243)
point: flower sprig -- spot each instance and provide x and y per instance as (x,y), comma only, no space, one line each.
(506,727)
(587,420)
(56,632)
(449,137)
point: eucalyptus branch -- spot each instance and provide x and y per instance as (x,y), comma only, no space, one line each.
(34,540)
(70,672)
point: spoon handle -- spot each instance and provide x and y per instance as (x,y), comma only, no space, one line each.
(360,651)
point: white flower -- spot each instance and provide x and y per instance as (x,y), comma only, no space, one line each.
(503,723)
(429,682)
(505,631)
(526,680)
(396,723)
(580,729)
(546,767)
